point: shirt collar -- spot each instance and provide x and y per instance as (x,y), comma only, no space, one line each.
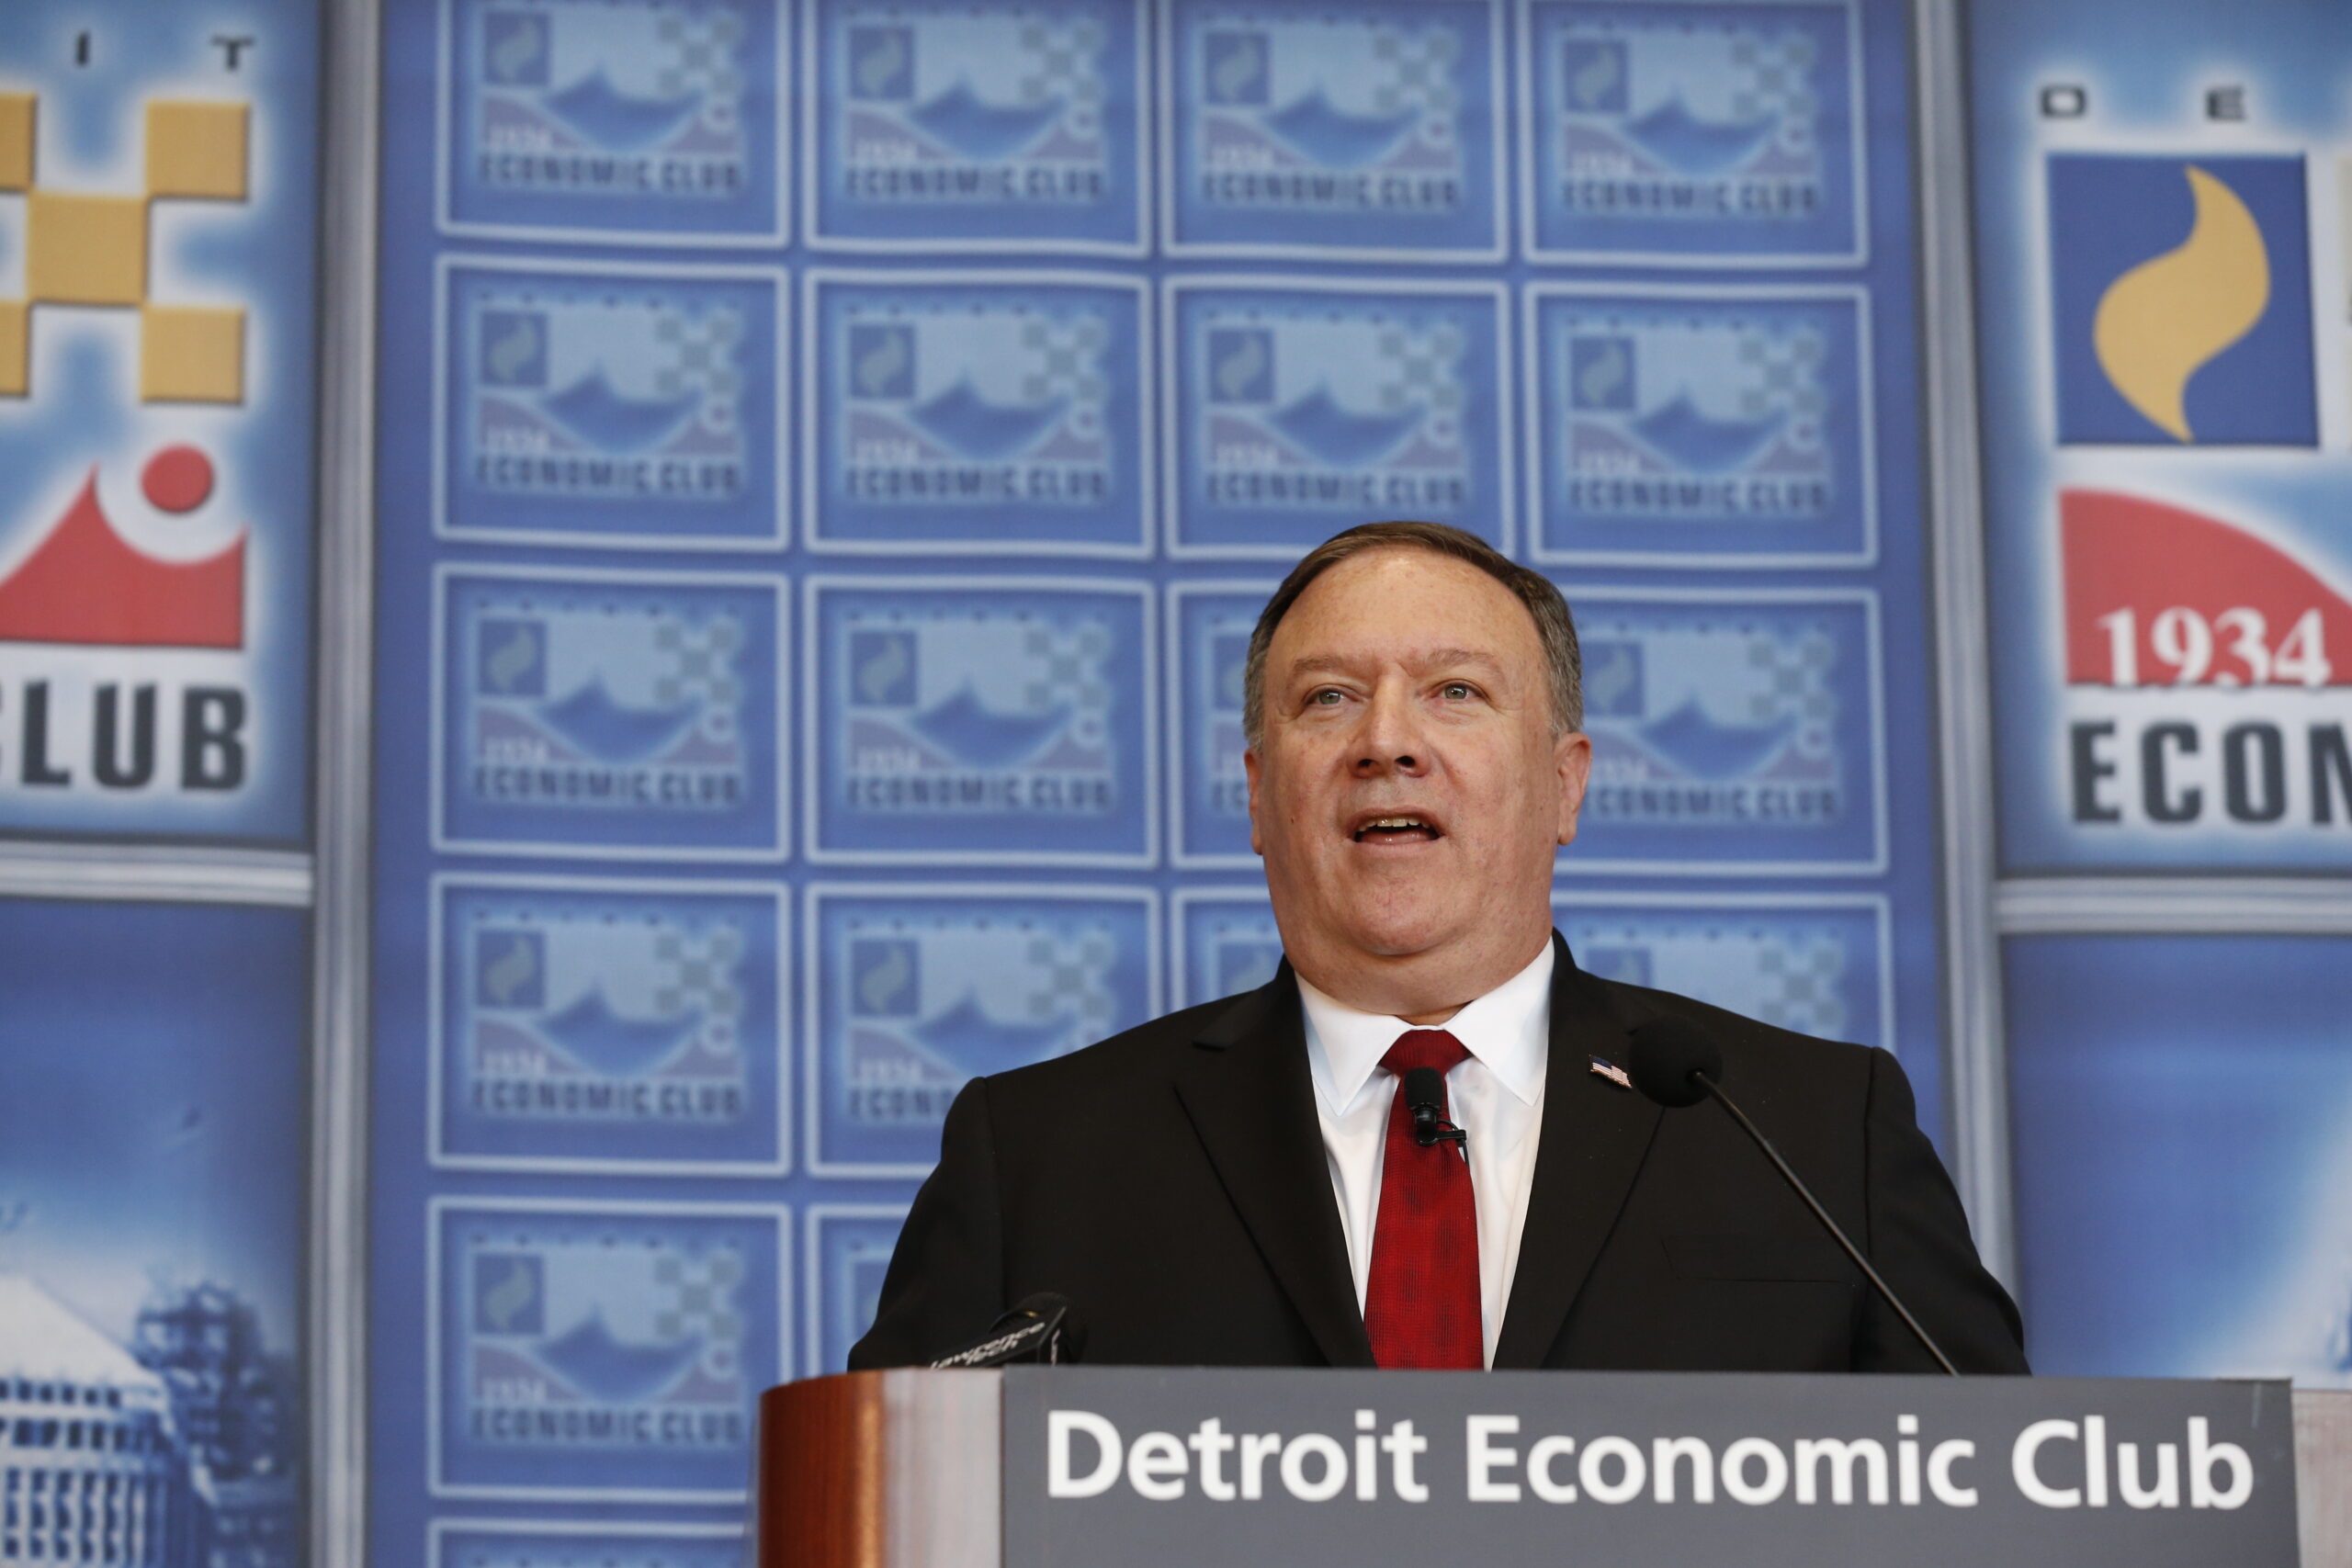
(1507,1029)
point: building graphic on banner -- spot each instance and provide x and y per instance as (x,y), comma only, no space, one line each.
(603,1351)
(917,991)
(644,121)
(1368,129)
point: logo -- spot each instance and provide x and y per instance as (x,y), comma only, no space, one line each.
(605,1351)
(1299,410)
(1367,128)
(110,722)
(1679,134)
(1675,429)
(1212,655)
(492,1544)
(851,1248)
(608,1026)
(91,251)
(1820,971)
(610,408)
(1005,723)
(982,416)
(916,996)
(629,119)
(2181,300)
(2206,669)
(583,712)
(942,123)
(1741,732)
(1230,944)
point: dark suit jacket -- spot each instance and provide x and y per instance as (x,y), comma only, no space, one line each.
(1171,1181)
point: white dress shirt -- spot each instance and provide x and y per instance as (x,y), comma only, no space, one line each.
(1495,1097)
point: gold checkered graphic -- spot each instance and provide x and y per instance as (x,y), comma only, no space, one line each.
(91,251)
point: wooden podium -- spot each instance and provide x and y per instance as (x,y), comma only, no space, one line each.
(920,1469)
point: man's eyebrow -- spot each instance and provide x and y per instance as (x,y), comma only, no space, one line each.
(1436,659)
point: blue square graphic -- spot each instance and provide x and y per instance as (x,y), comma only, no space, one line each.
(1367,130)
(592,1026)
(1229,943)
(1600,373)
(658,122)
(510,1293)
(849,1253)
(1240,365)
(1593,75)
(629,409)
(956,413)
(1211,652)
(917,991)
(628,716)
(2180,293)
(882,668)
(954,127)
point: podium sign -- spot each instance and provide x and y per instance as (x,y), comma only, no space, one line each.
(1383,1470)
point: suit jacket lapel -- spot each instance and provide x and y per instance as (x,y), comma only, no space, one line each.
(1252,1101)
(1586,1155)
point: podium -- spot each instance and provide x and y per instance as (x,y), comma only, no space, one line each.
(1054,1467)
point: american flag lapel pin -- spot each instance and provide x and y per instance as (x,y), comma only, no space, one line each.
(1613,1072)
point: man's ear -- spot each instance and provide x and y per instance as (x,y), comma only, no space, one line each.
(1572,765)
(1255,770)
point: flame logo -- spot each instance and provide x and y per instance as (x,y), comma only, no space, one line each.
(504,1303)
(2172,315)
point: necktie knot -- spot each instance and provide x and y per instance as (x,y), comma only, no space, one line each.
(1425,1048)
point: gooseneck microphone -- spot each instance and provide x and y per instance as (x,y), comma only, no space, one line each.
(1044,1328)
(1424,1092)
(1676,1063)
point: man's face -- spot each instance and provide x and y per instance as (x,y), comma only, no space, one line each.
(1408,792)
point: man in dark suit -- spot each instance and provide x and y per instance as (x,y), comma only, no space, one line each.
(1241,1183)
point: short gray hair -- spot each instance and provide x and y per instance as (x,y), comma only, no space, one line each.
(1555,627)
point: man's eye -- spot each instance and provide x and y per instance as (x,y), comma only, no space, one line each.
(1327,697)
(1460,691)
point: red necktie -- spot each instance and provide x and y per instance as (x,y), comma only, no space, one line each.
(1421,1305)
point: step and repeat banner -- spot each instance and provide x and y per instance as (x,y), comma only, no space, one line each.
(159,178)
(831,457)
(2165,335)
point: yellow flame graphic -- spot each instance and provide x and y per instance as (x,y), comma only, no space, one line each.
(2169,317)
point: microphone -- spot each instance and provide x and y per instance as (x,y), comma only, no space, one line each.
(1044,1328)
(1424,1092)
(1675,1063)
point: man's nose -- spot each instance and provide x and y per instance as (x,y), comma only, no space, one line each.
(1390,740)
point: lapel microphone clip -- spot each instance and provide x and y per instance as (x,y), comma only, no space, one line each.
(1425,1097)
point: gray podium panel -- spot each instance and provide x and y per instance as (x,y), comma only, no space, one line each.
(1132,1466)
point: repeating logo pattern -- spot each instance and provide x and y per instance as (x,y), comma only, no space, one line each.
(849,1252)
(1684,429)
(1227,942)
(953,127)
(1297,411)
(1209,652)
(1006,722)
(980,414)
(585,714)
(602,1352)
(918,990)
(1818,967)
(1366,129)
(1695,135)
(1739,733)
(593,1026)
(610,407)
(648,121)
(493,1544)
(2181,300)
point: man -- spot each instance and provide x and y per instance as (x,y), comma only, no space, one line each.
(1239,1183)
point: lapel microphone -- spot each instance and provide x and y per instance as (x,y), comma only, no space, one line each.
(1424,1093)
(1676,1063)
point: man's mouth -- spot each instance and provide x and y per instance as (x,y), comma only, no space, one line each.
(1403,827)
